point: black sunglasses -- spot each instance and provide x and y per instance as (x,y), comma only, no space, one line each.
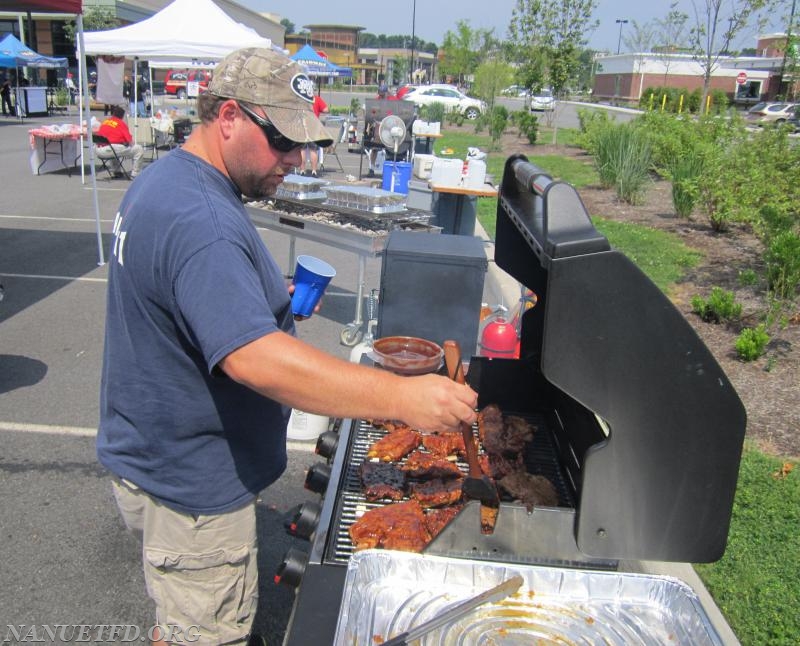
(274,137)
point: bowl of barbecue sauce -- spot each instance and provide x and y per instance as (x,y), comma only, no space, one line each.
(407,355)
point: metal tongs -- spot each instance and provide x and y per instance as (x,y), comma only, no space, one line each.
(476,485)
(497,593)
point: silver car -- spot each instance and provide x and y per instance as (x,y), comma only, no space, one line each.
(543,101)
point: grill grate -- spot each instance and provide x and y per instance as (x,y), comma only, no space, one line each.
(540,459)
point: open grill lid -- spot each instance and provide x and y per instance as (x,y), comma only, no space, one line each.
(661,486)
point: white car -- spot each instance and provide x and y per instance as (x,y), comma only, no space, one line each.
(543,101)
(449,95)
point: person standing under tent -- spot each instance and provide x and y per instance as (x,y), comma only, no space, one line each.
(312,152)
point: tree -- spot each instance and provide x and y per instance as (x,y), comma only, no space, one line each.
(640,37)
(671,36)
(95,18)
(709,38)
(491,77)
(548,38)
(288,25)
(464,49)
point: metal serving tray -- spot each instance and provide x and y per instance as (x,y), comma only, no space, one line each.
(365,198)
(387,593)
(299,187)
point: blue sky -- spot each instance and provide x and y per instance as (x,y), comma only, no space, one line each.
(435,17)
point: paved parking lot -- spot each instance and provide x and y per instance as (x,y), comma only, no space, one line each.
(65,556)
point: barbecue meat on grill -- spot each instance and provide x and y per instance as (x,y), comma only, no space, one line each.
(390,425)
(382,481)
(424,466)
(395,445)
(497,466)
(436,519)
(532,490)
(399,526)
(437,493)
(444,444)
(503,436)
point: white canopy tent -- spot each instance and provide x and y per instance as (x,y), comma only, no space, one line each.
(182,32)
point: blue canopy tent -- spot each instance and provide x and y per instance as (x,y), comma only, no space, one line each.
(14,53)
(316,65)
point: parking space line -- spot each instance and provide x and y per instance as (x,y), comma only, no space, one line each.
(82,279)
(82,431)
(12,216)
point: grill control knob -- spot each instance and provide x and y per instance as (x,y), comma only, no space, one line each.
(317,477)
(326,444)
(305,520)
(291,569)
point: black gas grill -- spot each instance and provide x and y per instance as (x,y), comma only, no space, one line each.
(638,427)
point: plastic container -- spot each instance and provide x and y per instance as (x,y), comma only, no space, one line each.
(446,172)
(423,165)
(396,176)
(476,174)
(305,426)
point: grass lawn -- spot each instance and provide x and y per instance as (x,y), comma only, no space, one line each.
(756,584)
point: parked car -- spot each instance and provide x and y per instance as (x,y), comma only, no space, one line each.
(767,112)
(176,80)
(449,95)
(794,121)
(515,90)
(543,101)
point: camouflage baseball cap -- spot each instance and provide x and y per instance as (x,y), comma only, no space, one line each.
(278,84)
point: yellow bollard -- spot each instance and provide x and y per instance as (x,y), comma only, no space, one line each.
(663,101)
(708,103)
(652,97)
(680,104)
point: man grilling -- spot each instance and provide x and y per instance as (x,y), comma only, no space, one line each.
(202,366)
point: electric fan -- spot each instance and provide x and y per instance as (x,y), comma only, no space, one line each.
(391,131)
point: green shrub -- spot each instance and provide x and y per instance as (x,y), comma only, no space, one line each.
(719,307)
(685,172)
(433,112)
(748,277)
(591,123)
(623,160)
(783,264)
(751,343)
(528,125)
(498,122)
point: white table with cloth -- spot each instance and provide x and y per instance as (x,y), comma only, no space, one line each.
(54,147)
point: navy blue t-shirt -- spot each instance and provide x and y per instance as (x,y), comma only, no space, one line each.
(190,280)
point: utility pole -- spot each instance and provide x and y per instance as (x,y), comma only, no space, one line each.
(620,22)
(413,36)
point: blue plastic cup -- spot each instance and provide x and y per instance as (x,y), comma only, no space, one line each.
(311,277)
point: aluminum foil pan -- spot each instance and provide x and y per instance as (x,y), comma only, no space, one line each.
(387,593)
(365,198)
(299,187)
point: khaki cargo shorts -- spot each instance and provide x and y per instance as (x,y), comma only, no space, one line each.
(201,572)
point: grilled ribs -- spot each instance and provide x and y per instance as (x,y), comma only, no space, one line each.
(437,519)
(425,466)
(395,445)
(437,493)
(530,489)
(444,444)
(399,526)
(382,481)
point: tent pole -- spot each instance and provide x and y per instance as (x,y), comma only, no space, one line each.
(100,258)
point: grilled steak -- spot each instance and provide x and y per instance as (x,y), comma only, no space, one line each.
(395,445)
(503,435)
(497,466)
(425,466)
(399,526)
(490,419)
(530,489)
(437,493)
(382,481)
(444,444)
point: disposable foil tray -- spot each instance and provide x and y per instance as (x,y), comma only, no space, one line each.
(299,187)
(387,593)
(365,198)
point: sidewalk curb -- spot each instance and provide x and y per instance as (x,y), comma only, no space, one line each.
(509,291)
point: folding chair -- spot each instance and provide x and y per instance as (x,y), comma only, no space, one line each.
(105,153)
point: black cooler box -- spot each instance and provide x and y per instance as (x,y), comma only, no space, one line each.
(432,287)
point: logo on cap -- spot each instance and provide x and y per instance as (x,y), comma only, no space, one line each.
(303,87)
